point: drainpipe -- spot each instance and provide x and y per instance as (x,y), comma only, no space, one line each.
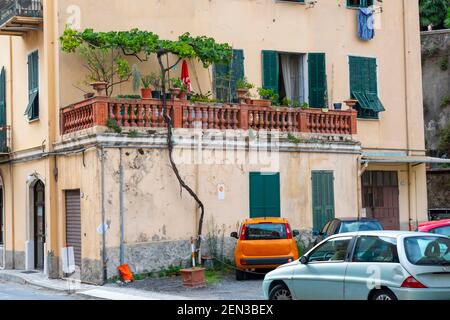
(359,172)
(121,204)
(11,169)
(102,187)
(405,57)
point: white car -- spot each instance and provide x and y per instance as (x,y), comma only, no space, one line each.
(372,265)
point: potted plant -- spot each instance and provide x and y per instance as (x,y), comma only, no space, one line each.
(268,97)
(337,106)
(146,90)
(351,103)
(304,106)
(243,87)
(100,87)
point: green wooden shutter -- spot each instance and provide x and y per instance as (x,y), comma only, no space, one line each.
(3,97)
(264,195)
(270,70)
(323,198)
(3,133)
(317,79)
(364,86)
(237,71)
(32,110)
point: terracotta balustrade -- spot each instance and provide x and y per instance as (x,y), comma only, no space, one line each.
(148,113)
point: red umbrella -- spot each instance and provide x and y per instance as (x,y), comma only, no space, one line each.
(185,76)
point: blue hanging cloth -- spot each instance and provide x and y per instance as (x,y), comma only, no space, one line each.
(366,24)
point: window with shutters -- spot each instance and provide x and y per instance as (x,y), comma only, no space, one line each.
(286,74)
(226,77)
(32,111)
(264,195)
(364,87)
(359,3)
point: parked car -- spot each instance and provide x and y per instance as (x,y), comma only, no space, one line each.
(264,243)
(369,265)
(343,225)
(437,227)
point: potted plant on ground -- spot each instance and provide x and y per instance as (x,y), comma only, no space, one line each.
(243,88)
(268,97)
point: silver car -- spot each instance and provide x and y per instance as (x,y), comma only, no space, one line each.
(372,265)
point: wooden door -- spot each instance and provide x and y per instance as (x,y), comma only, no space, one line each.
(381,197)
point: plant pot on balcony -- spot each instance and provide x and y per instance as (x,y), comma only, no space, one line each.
(146,93)
(262,103)
(183,95)
(242,93)
(89,95)
(194,277)
(156,94)
(175,92)
(100,87)
(337,106)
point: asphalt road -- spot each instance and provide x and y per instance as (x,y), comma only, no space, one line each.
(12,291)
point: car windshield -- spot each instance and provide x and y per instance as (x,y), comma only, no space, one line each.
(355,226)
(266,231)
(428,251)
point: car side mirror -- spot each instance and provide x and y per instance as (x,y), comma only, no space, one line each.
(295,233)
(304,260)
(234,235)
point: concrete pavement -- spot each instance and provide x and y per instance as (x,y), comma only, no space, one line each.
(14,291)
(81,290)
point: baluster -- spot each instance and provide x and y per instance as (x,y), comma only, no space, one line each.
(251,119)
(126,115)
(236,119)
(140,116)
(205,117)
(146,115)
(228,116)
(190,117)
(185,112)
(216,118)
(210,118)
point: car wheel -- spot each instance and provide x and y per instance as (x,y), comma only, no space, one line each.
(241,275)
(280,292)
(383,295)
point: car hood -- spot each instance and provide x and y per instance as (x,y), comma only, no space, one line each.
(291,264)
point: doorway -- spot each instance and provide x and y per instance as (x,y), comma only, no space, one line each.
(381,197)
(39,224)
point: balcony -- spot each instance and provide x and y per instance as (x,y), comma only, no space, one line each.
(147,113)
(17,17)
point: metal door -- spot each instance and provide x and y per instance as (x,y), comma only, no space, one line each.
(73,224)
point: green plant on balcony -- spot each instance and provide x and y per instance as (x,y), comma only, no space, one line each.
(112,124)
(104,65)
(142,44)
(305,106)
(270,95)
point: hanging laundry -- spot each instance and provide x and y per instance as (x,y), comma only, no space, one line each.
(366,24)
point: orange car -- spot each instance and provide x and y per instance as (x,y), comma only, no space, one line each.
(264,243)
